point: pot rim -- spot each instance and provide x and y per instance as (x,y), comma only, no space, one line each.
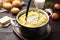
(21,12)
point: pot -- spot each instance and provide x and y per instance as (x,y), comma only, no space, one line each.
(32,33)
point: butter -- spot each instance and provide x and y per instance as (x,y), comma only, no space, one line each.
(5,20)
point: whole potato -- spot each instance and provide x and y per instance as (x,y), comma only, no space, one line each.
(7,6)
(19,0)
(15,10)
(17,3)
(54,16)
(57,6)
(10,1)
(1,3)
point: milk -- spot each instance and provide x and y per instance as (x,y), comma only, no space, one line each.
(39,3)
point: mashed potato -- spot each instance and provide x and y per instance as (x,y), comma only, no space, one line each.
(41,20)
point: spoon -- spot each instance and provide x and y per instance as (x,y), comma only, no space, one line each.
(31,19)
(27,9)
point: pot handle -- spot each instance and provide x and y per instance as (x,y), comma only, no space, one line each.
(49,11)
(14,23)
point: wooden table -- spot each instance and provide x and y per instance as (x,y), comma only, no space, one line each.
(8,34)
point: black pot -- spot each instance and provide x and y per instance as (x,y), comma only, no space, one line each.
(31,33)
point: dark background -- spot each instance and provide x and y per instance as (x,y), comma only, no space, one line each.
(8,34)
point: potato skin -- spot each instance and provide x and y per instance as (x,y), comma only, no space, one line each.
(18,0)
(9,1)
(1,3)
(57,6)
(7,6)
(54,16)
(17,4)
(15,10)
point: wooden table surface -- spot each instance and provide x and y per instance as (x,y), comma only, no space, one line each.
(8,34)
